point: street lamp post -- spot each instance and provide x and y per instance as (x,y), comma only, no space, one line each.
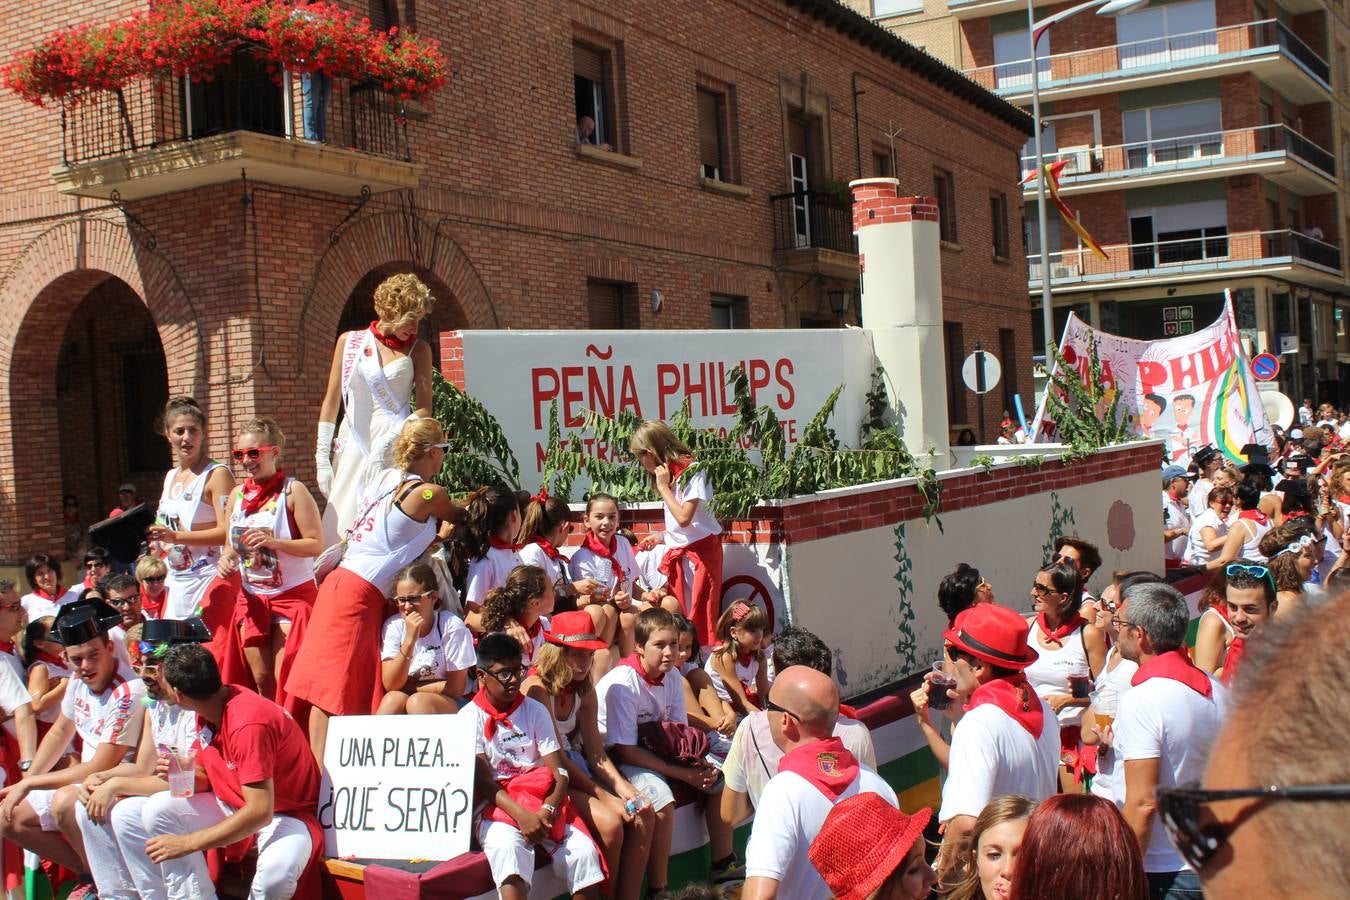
(1034,31)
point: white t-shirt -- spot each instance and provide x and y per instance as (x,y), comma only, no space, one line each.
(118,636)
(993,755)
(533,555)
(745,674)
(40,607)
(589,564)
(788,818)
(649,566)
(13,694)
(1198,500)
(447,648)
(1163,719)
(112,717)
(1049,674)
(514,750)
(704,523)
(1175,516)
(1108,763)
(487,573)
(176,729)
(753,758)
(1196,554)
(627,701)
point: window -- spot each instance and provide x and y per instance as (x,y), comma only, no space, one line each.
(612,304)
(1007,352)
(1168,134)
(881,163)
(1179,233)
(954,342)
(1012,58)
(882,8)
(383,14)
(945,190)
(712,135)
(593,81)
(998,220)
(730,312)
(1162,33)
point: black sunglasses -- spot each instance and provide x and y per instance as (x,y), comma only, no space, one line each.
(1198,841)
(506,676)
(774,707)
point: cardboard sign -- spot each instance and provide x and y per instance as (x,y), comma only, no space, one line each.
(397,787)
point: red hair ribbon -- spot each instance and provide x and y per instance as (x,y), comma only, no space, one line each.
(740,611)
(542,496)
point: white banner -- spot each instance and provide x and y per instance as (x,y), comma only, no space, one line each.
(1192,390)
(397,787)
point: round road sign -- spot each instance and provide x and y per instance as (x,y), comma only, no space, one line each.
(992,371)
(1265,366)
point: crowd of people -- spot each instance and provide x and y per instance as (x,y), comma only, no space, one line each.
(166,722)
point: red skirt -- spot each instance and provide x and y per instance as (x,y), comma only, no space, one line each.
(337,651)
(703,598)
(218,613)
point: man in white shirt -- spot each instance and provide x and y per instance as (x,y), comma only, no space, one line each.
(1176,517)
(815,773)
(1006,740)
(1164,727)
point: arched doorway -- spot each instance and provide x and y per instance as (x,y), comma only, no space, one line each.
(445,316)
(111,383)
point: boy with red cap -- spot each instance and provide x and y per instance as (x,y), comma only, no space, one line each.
(1005,740)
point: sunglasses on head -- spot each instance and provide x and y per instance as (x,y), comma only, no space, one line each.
(251,453)
(1249,569)
(1199,841)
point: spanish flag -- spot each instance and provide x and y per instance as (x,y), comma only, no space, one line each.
(1052,172)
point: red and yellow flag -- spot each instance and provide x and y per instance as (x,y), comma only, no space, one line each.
(1052,172)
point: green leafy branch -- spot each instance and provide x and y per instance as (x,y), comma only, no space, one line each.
(1086,413)
(479,453)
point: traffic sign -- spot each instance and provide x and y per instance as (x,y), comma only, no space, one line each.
(1265,366)
(971,375)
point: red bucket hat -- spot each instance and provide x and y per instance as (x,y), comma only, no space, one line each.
(862,841)
(995,634)
(575,630)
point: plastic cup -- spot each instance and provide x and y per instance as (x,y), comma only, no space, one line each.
(938,685)
(182,774)
(1103,706)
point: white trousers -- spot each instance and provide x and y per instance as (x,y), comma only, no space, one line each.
(283,849)
(110,864)
(576,859)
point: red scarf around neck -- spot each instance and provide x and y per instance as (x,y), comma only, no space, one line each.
(678,466)
(497,543)
(592,543)
(390,341)
(1232,659)
(8,647)
(60,592)
(153,607)
(550,551)
(1176,665)
(1015,697)
(253,495)
(532,630)
(1057,635)
(1255,515)
(635,661)
(47,657)
(827,764)
(494,716)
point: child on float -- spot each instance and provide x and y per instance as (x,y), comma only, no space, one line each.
(693,558)
(275,533)
(607,559)
(521,783)
(427,651)
(520,607)
(707,711)
(645,687)
(544,528)
(491,523)
(150,575)
(737,664)
(48,672)
(650,554)
(618,815)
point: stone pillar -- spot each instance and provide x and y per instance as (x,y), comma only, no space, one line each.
(901,262)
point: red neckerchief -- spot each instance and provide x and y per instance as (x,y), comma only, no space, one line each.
(550,551)
(60,592)
(253,496)
(1015,697)
(532,630)
(1176,665)
(636,662)
(1297,514)
(390,341)
(8,647)
(45,656)
(678,466)
(497,543)
(826,764)
(592,543)
(745,659)
(1232,658)
(89,584)
(495,718)
(1057,635)
(1255,515)
(153,608)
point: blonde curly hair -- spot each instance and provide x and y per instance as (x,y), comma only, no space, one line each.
(402,300)
(416,440)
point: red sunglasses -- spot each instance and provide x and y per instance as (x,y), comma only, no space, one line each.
(251,454)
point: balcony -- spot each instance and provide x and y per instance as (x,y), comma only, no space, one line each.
(813,234)
(1274,151)
(1287,254)
(158,136)
(1267,48)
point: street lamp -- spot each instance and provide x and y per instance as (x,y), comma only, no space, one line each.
(1035,30)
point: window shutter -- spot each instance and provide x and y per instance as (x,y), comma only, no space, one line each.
(609,306)
(588,63)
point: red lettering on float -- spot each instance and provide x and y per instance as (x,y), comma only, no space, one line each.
(786,397)
(1152,375)
(601,393)
(545,389)
(571,395)
(667,385)
(759,377)
(628,394)
(696,386)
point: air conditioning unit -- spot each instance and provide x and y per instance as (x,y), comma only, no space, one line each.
(1063,270)
(1079,160)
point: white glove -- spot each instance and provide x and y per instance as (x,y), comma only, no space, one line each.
(323,455)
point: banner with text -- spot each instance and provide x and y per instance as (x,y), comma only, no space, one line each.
(1190,391)
(397,787)
(518,375)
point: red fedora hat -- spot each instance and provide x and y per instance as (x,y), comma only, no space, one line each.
(993,633)
(861,842)
(575,630)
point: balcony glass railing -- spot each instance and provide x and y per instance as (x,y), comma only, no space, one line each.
(1208,250)
(1137,57)
(811,219)
(1190,152)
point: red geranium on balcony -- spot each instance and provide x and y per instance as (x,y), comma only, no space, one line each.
(197,37)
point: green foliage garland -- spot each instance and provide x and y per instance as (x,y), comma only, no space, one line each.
(479,453)
(1087,415)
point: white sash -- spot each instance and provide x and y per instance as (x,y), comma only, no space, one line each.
(362,343)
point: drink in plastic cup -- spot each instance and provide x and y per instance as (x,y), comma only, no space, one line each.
(1104,707)
(182,774)
(938,685)
(1080,685)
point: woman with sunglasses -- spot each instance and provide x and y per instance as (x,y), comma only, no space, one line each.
(337,664)
(1070,652)
(275,533)
(151,574)
(426,652)
(1209,530)
(1244,535)
(1292,552)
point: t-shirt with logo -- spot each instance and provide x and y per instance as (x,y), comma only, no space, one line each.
(627,701)
(517,747)
(112,716)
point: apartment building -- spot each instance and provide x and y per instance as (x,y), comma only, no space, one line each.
(1206,144)
(184,237)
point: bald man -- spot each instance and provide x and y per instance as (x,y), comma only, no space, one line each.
(816,772)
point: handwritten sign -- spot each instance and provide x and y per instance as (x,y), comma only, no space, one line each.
(397,787)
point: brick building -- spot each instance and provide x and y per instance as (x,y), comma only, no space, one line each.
(1207,143)
(188,240)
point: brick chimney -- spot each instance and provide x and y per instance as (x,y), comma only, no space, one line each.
(901,262)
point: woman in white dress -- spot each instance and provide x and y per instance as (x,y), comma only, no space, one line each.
(375,374)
